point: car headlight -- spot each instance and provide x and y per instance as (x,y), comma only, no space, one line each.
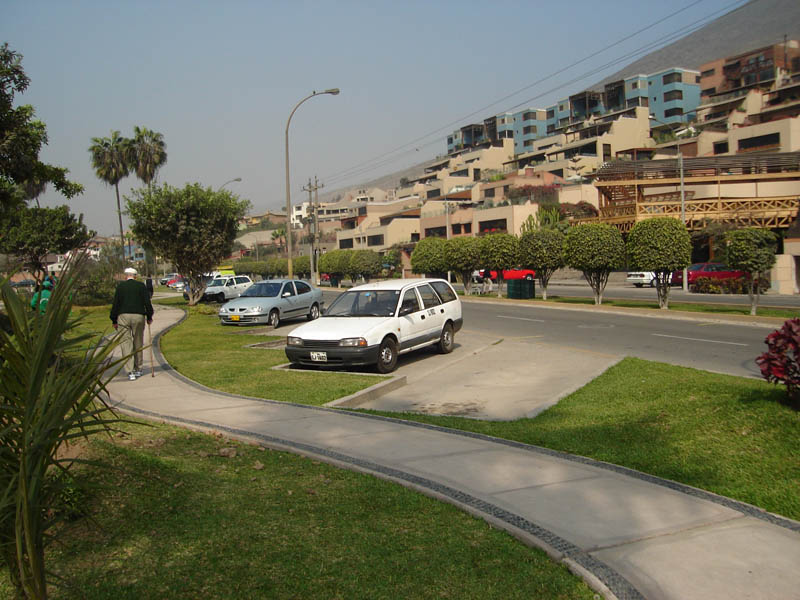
(256,309)
(294,341)
(360,342)
(223,309)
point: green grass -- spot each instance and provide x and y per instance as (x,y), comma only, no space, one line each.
(721,433)
(218,357)
(171,518)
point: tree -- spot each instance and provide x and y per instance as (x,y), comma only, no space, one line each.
(111,160)
(428,256)
(596,249)
(393,258)
(335,263)
(751,250)
(366,263)
(301,266)
(148,154)
(22,175)
(499,252)
(463,255)
(279,235)
(661,245)
(543,251)
(193,228)
(33,233)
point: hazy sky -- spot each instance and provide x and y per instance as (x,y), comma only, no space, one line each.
(219,79)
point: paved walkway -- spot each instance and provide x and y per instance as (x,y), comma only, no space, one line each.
(629,535)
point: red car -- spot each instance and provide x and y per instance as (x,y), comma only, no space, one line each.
(710,270)
(515,273)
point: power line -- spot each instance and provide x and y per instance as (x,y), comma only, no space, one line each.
(388,157)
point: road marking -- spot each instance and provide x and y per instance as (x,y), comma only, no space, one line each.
(520,318)
(677,337)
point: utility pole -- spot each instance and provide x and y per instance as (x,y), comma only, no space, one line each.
(313,228)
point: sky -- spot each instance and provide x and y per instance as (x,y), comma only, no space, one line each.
(219,80)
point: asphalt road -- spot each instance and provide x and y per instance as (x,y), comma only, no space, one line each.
(707,345)
(703,344)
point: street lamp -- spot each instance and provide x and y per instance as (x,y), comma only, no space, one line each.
(332,92)
(685,282)
(227,182)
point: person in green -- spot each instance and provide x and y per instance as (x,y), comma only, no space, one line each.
(41,297)
(129,310)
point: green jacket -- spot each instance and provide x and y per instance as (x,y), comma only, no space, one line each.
(131,297)
(40,299)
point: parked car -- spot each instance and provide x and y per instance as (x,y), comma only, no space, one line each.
(515,273)
(29,283)
(711,270)
(642,278)
(372,324)
(167,278)
(175,281)
(227,287)
(272,302)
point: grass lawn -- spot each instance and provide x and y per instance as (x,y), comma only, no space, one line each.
(721,433)
(171,518)
(218,357)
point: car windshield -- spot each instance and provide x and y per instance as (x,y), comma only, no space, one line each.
(365,303)
(695,268)
(217,283)
(263,289)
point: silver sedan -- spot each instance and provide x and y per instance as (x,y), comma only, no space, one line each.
(273,301)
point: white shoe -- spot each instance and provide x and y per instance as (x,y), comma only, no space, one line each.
(138,373)
(132,376)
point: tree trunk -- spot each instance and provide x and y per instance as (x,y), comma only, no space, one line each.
(121,233)
(754,294)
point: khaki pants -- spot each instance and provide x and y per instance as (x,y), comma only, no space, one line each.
(132,340)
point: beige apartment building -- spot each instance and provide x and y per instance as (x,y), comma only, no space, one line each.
(378,226)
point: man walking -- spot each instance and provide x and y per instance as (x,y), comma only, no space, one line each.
(130,309)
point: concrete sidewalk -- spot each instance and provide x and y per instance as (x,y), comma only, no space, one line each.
(629,535)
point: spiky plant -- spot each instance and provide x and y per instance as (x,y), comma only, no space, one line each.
(52,391)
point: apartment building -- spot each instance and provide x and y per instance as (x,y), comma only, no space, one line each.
(758,68)
(379,225)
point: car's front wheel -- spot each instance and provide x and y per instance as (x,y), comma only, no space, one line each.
(387,356)
(653,282)
(446,341)
(313,314)
(221,298)
(274,318)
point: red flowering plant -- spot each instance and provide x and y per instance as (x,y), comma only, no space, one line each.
(781,362)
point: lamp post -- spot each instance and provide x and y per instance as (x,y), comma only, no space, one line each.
(332,92)
(227,182)
(684,282)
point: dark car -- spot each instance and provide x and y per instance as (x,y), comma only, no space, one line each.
(710,270)
(23,283)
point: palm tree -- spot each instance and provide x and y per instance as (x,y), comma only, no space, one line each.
(149,153)
(278,235)
(111,159)
(34,188)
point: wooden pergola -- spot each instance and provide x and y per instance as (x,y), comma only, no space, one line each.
(631,191)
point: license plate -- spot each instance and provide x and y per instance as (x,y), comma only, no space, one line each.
(319,356)
(234,317)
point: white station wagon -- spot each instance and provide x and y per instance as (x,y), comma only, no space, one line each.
(371,324)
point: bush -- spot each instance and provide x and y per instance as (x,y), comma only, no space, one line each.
(737,285)
(781,362)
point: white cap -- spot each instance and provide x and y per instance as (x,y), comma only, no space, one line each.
(131,271)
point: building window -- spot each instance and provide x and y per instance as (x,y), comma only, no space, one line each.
(449,140)
(488,193)
(375,240)
(436,232)
(345,244)
(456,228)
(467,227)
(551,128)
(697,79)
(433,194)
(635,85)
(529,129)
(673,112)
(528,143)
(760,142)
(708,91)
(673,95)
(708,73)
(671,78)
(551,114)
(721,147)
(493,226)
(529,116)
(414,237)
(561,108)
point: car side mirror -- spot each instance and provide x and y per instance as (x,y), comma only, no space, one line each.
(286,294)
(406,310)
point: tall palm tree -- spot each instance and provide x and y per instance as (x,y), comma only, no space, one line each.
(111,159)
(149,153)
